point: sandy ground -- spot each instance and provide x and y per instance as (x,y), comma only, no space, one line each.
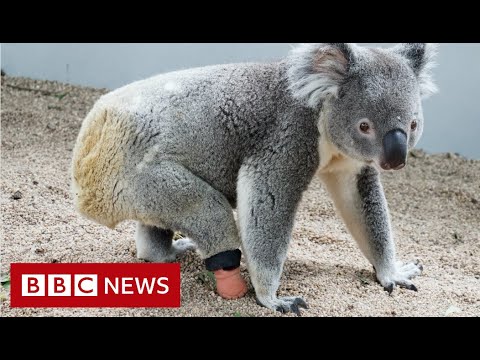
(434,206)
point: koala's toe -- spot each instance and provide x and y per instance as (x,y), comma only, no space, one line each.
(294,304)
(409,270)
(301,303)
(289,307)
(407,284)
(295,309)
(285,305)
(412,287)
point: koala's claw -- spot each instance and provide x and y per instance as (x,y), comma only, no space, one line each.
(404,285)
(389,288)
(420,266)
(285,305)
(411,287)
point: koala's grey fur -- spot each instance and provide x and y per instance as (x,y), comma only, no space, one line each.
(179,151)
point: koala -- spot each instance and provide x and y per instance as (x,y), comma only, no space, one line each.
(182,150)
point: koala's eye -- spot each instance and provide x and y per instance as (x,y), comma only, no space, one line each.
(414,125)
(364,127)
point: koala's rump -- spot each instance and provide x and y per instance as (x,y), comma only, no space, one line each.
(98,183)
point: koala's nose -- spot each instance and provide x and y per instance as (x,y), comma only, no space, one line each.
(394,150)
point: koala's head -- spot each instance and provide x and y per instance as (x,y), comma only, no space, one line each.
(370,99)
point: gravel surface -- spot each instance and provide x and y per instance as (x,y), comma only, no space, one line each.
(434,205)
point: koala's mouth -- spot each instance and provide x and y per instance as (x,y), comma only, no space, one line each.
(383,166)
(387,166)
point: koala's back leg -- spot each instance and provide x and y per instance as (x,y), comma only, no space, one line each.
(155,244)
(166,195)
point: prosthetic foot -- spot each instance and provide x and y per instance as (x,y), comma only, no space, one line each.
(226,267)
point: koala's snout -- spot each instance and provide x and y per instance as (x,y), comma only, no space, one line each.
(394,150)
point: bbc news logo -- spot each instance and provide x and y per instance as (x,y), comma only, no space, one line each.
(95,285)
(59,285)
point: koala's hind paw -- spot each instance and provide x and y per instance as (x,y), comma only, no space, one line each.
(179,247)
(404,272)
(285,304)
(182,245)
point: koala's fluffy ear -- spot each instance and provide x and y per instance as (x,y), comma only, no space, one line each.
(318,70)
(421,57)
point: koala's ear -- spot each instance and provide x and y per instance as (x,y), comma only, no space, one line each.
(318,70)
(421,57)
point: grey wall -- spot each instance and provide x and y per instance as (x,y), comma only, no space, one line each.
(452,117)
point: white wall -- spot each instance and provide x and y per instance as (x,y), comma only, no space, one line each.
(113,65)
(452,117)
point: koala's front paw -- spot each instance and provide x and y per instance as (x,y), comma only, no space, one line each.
(284,304)
(401,276)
